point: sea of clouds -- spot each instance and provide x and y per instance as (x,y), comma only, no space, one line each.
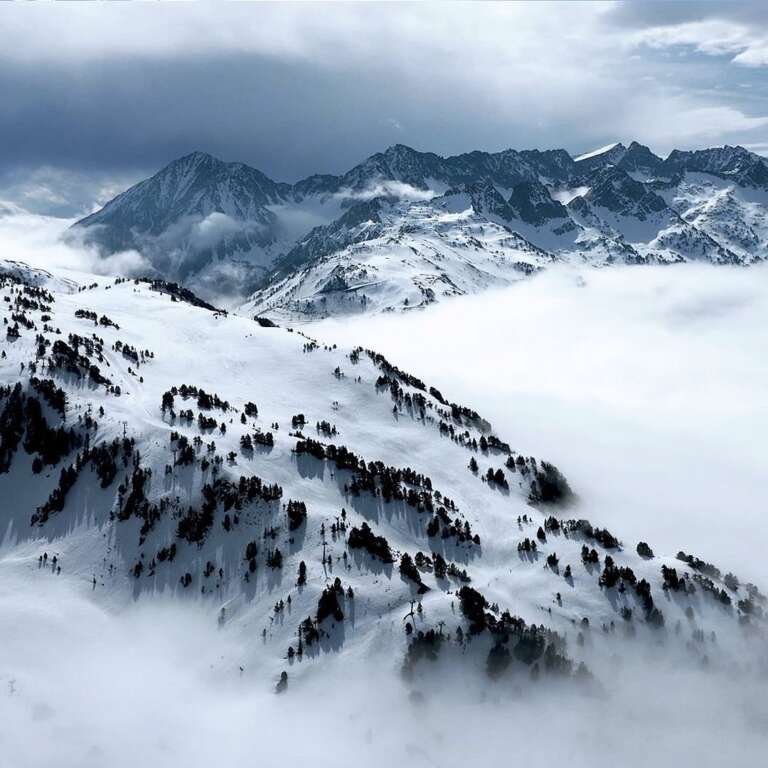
(160,683)
(645,385)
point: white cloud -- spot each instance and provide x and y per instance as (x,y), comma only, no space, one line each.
(711,36)
(64,193)
(692,123)
(45,242)
(394,123)
(159,682)
(745,44)
(199,233)
(214,228)
(754,55)
(387,188)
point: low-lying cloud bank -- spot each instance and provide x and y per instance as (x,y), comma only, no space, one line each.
(161,683)
(46,243)
(645,385)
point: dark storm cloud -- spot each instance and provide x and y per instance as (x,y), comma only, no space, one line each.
(142,113)
(664,13)
(285,118)
(288,119)
(99,93)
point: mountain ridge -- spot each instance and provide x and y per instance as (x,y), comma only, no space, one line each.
(147,450)
(224,227)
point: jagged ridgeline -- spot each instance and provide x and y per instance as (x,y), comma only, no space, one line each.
(406,228)
(315,496)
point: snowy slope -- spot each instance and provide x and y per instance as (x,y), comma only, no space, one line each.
(616,148)
(398,256)
(734,216)
(620,207)
(169,515)
(386,255)
(40,278)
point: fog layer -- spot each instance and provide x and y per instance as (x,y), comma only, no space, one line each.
(646,386)
(45,242)
(161,684)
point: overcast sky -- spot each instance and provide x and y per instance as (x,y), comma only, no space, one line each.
(95,96)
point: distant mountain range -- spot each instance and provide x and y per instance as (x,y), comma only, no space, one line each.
(404,228)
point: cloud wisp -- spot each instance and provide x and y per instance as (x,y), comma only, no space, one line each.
(387,188)
(44,242)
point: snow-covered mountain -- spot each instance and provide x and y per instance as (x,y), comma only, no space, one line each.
(197,218)
(319,500)
(386,255)
(227,228)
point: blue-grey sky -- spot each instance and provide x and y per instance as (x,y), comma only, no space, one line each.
(95,96)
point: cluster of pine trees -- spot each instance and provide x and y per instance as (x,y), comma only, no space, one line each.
(85,314)
(364,538)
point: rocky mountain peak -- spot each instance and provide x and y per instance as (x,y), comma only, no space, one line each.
(533,203)
(486,199)
(638,157)
(733,163)
(617,191)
